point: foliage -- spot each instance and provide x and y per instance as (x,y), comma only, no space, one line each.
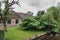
(47,22)
(34,24)
(39,13)
(30,13)
(38,18)
(54,11)
(52,18)
(30,24)
(2,35)
(4,14)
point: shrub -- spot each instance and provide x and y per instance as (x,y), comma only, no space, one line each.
(50,28)
(34,24)
(30,24)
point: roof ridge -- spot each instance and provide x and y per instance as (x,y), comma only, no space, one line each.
(18,15)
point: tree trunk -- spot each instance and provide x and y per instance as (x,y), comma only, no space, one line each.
(5,26)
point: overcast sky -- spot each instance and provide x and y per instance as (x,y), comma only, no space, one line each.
(35,5)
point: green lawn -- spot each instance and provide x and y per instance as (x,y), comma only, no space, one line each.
(14,33)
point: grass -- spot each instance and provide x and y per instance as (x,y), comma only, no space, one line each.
(14,33)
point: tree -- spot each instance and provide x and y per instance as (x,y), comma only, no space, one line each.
(55,14)
(39,13)
(30,13)
(52,17)
(5,13)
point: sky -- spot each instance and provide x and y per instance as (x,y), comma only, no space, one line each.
(34,5)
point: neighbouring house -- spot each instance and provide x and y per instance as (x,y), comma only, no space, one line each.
(16,18)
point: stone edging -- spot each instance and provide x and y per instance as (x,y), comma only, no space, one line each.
(36,36)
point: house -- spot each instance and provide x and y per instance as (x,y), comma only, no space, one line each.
(16,18)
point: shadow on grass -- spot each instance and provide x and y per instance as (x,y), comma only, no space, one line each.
(1,35)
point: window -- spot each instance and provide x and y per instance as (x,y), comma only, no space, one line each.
(9,21)
(17,21)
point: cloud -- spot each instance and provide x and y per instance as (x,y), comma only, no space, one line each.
(35,5)
(41,3)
